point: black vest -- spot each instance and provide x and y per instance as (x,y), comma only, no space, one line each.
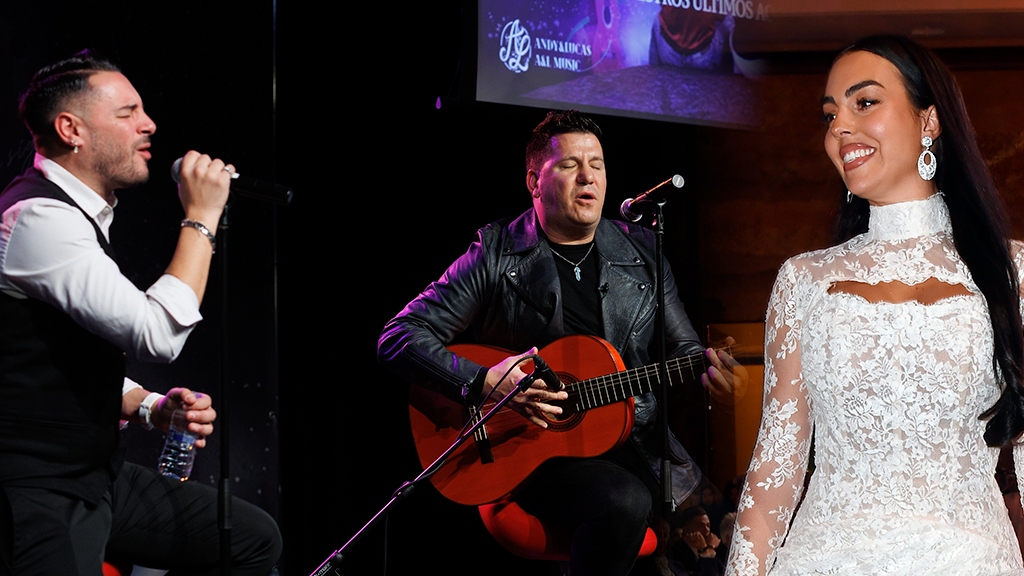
(60,385)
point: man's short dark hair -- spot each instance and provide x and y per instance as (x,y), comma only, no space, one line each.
(568,122)
(54,86)
(683,518)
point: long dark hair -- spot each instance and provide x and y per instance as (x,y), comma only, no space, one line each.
(980,229)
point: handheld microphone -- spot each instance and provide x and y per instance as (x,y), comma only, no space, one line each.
(247,186)
(634,209)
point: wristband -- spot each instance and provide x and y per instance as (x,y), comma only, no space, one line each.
(146,409)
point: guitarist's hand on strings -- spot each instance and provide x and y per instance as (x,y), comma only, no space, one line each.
(533,401)
(726,379)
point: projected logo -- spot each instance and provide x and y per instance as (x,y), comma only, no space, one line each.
(515,47)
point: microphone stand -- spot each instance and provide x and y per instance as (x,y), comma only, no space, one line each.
(224,513)
(657,196)
(333,562)
(224,486)
(256,190)
(663,378)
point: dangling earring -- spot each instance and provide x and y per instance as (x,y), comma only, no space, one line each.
(75,144)
(849,196)
(927,171)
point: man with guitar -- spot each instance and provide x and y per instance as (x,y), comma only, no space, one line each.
(557,270)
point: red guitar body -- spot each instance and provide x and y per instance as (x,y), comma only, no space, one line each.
(474,475)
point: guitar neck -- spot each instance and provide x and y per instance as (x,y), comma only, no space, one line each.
(619,386)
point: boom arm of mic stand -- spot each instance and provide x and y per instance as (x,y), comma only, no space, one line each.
(334,561)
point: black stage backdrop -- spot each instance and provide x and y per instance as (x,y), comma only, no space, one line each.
(389,191)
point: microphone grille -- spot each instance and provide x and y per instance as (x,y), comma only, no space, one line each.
(176,171)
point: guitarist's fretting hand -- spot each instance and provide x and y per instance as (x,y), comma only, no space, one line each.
(726,379)
(530,402)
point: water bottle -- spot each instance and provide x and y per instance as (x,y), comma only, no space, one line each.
(179,449)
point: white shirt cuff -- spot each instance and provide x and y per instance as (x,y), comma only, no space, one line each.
(129,385)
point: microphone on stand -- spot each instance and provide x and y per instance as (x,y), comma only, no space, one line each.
(544,372)
(633,209)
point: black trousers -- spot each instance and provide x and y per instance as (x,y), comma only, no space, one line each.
(145,519)
(602,502)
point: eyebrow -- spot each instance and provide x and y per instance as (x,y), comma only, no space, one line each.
(576,158)
(129,107)
(852,89)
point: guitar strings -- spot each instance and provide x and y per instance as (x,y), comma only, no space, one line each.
(602,385)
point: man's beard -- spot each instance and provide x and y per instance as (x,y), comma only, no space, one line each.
(118,167)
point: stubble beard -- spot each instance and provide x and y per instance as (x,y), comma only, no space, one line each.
(118,167)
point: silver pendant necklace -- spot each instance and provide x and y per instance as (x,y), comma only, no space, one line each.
(576,265)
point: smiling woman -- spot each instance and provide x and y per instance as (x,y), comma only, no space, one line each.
(874,132)
(885,349)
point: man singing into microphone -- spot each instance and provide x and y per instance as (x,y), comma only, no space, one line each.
(67,319)
(556,270)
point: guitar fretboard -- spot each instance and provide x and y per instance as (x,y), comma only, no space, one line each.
(619,386)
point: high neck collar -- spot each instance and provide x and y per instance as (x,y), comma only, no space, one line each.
(909,219)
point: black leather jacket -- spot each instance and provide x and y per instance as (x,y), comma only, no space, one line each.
(506,289)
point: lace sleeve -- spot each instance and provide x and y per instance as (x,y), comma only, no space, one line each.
(775,477)
(1017,252)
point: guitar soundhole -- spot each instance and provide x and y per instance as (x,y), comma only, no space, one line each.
(569,417)
(563,421)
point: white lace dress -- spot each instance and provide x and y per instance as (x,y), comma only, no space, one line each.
(904,483)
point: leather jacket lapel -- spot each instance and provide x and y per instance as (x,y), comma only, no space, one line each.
(534,278)
(626,289)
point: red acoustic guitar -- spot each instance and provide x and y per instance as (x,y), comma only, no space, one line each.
(597,417)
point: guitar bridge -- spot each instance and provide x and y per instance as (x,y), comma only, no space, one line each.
(480,437)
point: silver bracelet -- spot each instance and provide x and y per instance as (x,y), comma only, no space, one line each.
(202,230)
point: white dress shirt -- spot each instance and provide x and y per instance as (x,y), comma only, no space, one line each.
(49,252)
